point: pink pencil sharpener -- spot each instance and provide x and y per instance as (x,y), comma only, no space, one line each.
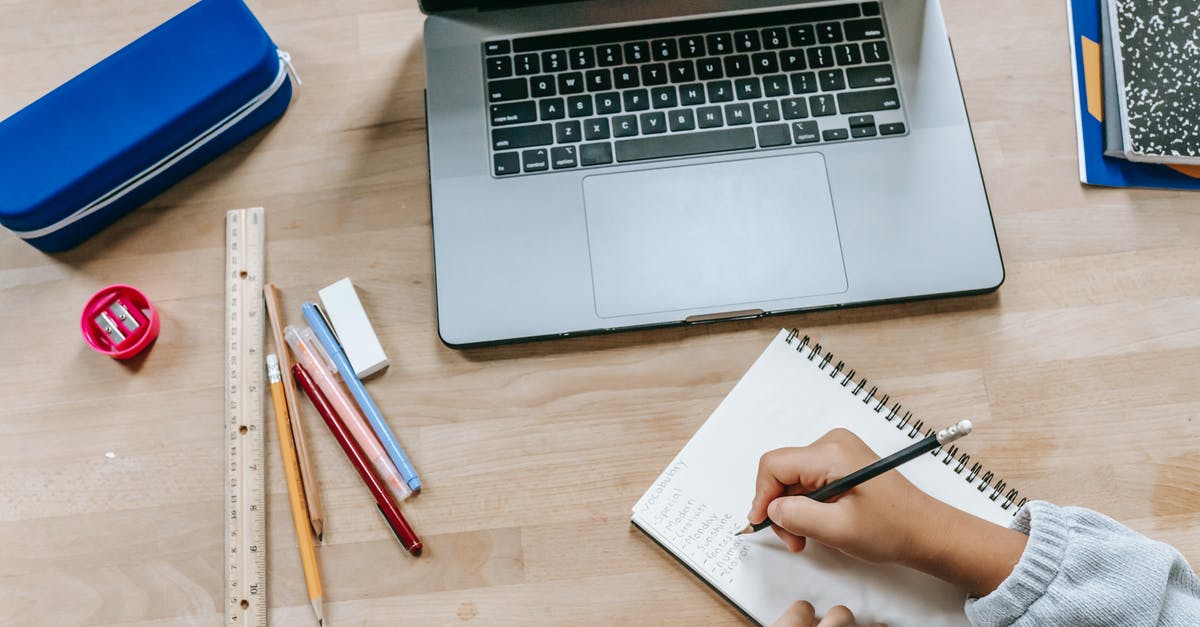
(119,321)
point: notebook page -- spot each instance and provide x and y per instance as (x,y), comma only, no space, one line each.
(702,498)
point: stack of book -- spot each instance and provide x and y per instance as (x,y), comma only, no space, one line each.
(1137,79)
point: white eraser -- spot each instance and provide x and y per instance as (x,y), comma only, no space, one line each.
(353,329)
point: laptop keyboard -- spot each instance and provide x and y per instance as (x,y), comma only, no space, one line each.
(745,82)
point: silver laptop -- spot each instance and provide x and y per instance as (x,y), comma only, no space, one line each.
(611,164)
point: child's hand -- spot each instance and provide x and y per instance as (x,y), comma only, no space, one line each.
(802,614)
(886,519)
(881,520)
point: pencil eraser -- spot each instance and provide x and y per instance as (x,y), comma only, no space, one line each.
(353,328)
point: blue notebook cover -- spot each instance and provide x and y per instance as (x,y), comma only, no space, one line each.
(1083,19)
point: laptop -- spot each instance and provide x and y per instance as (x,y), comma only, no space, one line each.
(609,164)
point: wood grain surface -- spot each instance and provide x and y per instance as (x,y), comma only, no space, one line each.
(1080,372)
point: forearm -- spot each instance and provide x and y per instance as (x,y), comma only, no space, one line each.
(967,551)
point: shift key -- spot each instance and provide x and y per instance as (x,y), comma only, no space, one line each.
(522,136)
(851,102)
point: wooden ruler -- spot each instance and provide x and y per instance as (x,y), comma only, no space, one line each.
(245,470)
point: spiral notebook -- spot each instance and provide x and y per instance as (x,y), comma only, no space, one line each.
(794,393)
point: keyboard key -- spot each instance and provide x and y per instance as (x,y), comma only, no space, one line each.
(496,47)
(774,135)
(775,86)
(522,136)
(684,144)
(891,129)
(514,113)
(805,132)
(567,132)
(583,58)
(804,83)
(736,114)
(820,57)
(748,88)
(708,69)
(737,65)
(563,157)
(681,120)
(829,32)
(636,100)
(664,49)
(870,76)
(719,43)
(554,60)
(608,103)
(832,80)
(709,117)
(794,108)
(868,100)
(654,74)
(802,35)
(847,54)
(596,154)
(870,8)
(862,120)
(766,111)
(596,128)
(609,56)
(504,163)
(542,86)
(508,89)
(822,105)
(536,160)
(765,63)
(664,98)
(624,126)
(579,106)
(859,132)
(499,67)
(875,51)
(691,94)
(570,83)
(835,134)
(792,61)
(552,109)
(857,30)
(691,47)
(774,38)
(598,80)
(720,91)
(653,123)
(637,52)
(626,77)
(747,41)
(682,71)
(527,64)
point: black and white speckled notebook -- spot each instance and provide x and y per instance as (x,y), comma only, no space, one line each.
(1157,57)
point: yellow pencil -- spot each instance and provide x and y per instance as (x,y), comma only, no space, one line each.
(291,468)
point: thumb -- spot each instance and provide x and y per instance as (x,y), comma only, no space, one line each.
(805,517)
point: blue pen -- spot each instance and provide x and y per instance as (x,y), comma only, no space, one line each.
(316,320)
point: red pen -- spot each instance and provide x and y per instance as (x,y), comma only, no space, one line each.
(387,507)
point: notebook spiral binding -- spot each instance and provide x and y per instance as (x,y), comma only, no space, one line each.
(916,428)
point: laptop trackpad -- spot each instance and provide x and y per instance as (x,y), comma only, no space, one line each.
(729,236)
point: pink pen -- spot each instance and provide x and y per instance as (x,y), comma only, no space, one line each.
(310,354)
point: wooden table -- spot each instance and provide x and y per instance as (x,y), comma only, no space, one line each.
(1080,372)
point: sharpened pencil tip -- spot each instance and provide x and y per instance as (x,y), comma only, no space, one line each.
(745,530)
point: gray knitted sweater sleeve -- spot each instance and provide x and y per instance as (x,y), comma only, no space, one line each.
(1084,568)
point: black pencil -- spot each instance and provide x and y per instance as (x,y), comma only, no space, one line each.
(840,486)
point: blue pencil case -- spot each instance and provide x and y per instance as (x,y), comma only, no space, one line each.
(124,130)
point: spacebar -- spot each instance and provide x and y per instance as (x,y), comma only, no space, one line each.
(684,144)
